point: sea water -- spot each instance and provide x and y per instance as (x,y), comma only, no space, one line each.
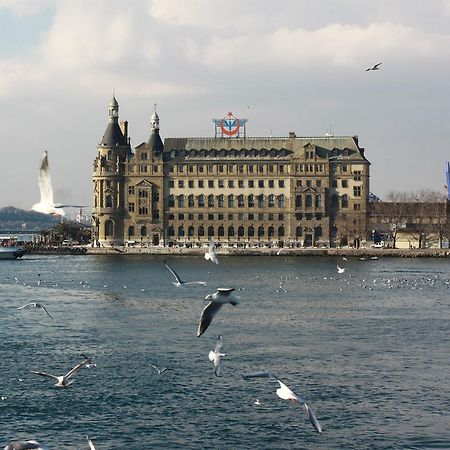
(368,349)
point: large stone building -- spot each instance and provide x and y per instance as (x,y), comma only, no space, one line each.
(297,191)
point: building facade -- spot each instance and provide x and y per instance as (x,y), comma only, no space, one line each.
(292,191)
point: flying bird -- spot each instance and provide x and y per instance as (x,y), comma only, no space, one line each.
(180,282)
(90,443)
(25,445)
(46,204)
(160,371)
(216,356)
(90,362)
(211,254)
(340,269)
(38,306)
(216,300)
(287,394)
(374,67)
(64,381)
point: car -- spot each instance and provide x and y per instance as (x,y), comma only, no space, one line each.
(377,245)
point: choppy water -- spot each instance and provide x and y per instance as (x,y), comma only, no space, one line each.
(369,349)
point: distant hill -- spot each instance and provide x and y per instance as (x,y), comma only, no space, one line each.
(15,219)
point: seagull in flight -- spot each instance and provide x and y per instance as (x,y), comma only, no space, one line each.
(287,394)
(216,356)
(216,300)
(64,381)
(90,362)
(38,306)
(90,443)
(340,269)
(160,371)
(25,445)
(211,254)
(180,282)
(374,67)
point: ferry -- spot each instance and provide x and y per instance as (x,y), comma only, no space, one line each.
(9,249)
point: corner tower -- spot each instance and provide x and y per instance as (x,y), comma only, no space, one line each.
(109,181)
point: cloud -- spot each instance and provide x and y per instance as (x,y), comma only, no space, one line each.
(333,45)
(25,7)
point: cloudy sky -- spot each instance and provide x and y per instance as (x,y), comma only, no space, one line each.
(290,65)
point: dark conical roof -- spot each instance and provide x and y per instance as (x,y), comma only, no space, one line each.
(113,135)
(155,142)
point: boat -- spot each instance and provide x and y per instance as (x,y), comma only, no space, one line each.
(11,252)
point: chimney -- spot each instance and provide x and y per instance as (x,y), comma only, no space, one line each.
(124,129)
(292,135)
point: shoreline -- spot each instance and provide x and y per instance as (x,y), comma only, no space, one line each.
(369,253)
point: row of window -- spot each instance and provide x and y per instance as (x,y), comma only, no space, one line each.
(241,231)
(231,202)
(229,183)
(229,216)
(227,168)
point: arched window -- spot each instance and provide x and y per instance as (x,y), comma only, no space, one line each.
(191,201)
(181,201)
(280,231)
(308,201)
(108,201)
(271,200)
(344,201)
(201,230)
(201,201)
(298,231)
(334,231)
(220,231)
(180,230)
(270,231)
(109,228)
(318,231)
(334,201)
(241,231)
(318,201)
(131,230)
(210,231)
(171,201)
(261,201)
(251,201)
(210,200)
(191,231)
(171,231)
(298,201)
(230,231)
(231,201)
(260,231)
(240,201)
(220,200)
(251,231)
(281,201)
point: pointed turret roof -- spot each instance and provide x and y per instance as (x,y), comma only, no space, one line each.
(113,134)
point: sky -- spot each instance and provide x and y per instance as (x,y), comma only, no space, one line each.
(290,65)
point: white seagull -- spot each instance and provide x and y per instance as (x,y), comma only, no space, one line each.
(160,371)
(211,254)
(216,356)
(25,445)
(340,269)
(180,282)
(216,300)
(38,306)
(64,381)
(90,362)
(374,67)
(286,394)
(90,443)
